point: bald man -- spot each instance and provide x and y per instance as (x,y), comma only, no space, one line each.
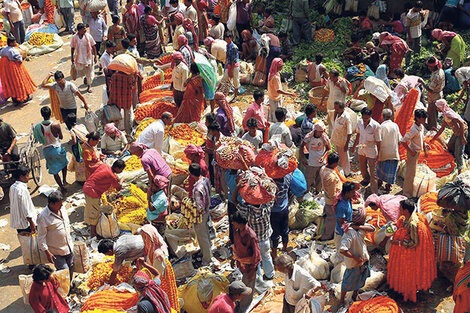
(152,135)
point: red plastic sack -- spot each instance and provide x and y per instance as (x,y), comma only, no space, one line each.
(235,153)
(257,187)
(269,161)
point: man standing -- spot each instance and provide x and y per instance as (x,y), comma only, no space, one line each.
(308,123)
(413,141)
(369,138)
(388,154)
(152,135)
(22,212)
(66,91)
(50,134)
(101,180)
(226,303)
(191,13)
(217,30)
(246,254)
(436,85)
(299,12)
(232,69)
(337,89)
(244,17)
(180,74)
(84,55)
(341,135)
(414,21)
(202,201)
(14,15)
(331,185)
(280,215)
(298,282)
(123,94)
(256,110)
(54,233)
(67,11)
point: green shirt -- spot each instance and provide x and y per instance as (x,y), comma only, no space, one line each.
(299,9)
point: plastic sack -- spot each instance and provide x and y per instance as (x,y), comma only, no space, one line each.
(182,241)
(257,187)
(81,258)
(124,63)
(314,264)
(27,14)
(35,50)
(337,273)
(277,160)
(307,213)
(218,211)
(298,184)
(184,268)
(377,88)
(235,153)
(199,293)
(108,226)
(454,195)
(32,255)
(424,181)
(73,71)
(95,5)
(91,121)
(42,28)
(313,305)
(62,276)
(112,113)
(232,17)
(58,19)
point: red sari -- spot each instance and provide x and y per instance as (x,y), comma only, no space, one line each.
(192,106)
(397,47)
(43,297)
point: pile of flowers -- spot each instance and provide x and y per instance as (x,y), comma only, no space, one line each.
(41,39)
(324,35)
(155,110)
(133,209)
(3,41)
(110,300)
(154,94)
(158,79)
(166,59)
(185,135)
(102,271)
(377,305)
(428,202)
(376,219)
(133,164)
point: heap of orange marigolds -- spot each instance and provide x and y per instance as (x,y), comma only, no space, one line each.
(158,79)
(428,202)
(110,299)
(155,110)
(169,286)
(376,219)
(102,272)
(154,94)
(375,305)
(185,135)
(166,59)
(324,35)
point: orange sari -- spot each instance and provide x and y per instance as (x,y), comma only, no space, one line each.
(192,107)
(16,81)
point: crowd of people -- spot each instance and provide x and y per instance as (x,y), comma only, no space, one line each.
(350,158)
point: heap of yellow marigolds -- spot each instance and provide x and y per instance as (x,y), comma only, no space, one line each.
(41,39)
(133,164)
(132,209)
(102,272)
(185,135)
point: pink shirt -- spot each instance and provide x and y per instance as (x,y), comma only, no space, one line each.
(151,159)
(256,111)
(222,304)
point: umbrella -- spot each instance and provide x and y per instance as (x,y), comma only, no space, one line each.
(208,72)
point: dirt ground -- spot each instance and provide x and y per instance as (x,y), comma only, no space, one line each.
(439,299)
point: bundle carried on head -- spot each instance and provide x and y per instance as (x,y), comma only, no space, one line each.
(276,159)
(235,153)
(257,188)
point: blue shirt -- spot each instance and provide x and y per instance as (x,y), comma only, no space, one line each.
(452,83)
(307,126)
(232,54)
(98,28)
(231,181)
(282,196)
(343,210)
(11,53)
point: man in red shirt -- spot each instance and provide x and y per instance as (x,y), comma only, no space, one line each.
(246,254)
(226,303)
(101,180)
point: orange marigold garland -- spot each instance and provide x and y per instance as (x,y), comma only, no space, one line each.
(111,299)
(377,219)
(49,10)
(102,272)
(375,305)
(154,110)
(169,286)
(428,202)
(412,269)
(462,289)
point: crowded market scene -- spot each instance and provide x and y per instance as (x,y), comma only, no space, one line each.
(234,156)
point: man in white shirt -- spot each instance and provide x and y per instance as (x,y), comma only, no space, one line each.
(107,56)
(337,89)
(14,15)
(280,130)
(191,13)
(22,212)
(179,77)
(341,135)
(54,233)
(413,141)
(368,138)
(298,282)
(414,22)
(152,135)
(217,31)
(388,154)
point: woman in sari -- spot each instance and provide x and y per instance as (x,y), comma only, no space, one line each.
(190,33)
(249,46)
(224,115)
(412,263)
(130,18)
(116,32)
(192,106)
(153,298)
(150,26)
(203,21)
(454,45)
(155,247)
(396,47)
(381,73)
(224,8)
(91,156)
(462,289)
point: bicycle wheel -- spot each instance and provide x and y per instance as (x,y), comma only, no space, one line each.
(34,159)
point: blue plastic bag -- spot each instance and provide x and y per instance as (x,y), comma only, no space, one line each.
(298,184)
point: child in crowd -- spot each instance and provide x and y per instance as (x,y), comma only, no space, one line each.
(254,135)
